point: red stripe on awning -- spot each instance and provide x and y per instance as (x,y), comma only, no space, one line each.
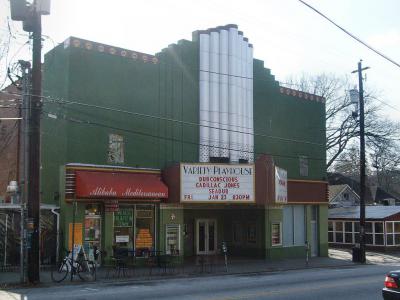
(114,185)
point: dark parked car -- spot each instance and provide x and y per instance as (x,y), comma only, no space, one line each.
(392,286)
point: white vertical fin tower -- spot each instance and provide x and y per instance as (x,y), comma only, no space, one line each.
(233,94)
(204,90)
(214,93)
(250,123)
(226,95)
(223,92)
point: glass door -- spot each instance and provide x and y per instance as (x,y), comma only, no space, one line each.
(206,236)
(92,231)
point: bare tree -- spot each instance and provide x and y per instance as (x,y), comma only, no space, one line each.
(342,126)
(385,157)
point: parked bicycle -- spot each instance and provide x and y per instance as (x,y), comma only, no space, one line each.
(85,269)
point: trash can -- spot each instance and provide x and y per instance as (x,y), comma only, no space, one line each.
(356,254)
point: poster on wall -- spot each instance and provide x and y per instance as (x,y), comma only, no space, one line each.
(123,218)
(122,238)
(280,185)
(217,183)
(77,228)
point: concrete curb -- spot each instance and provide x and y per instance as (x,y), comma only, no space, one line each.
(155,278)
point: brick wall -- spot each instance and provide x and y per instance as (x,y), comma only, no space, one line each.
(9,107)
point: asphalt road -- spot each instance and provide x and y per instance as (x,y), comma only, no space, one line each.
(356,282)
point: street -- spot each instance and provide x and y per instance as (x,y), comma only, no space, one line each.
(356,282)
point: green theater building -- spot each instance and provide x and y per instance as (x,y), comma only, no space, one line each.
(180,151)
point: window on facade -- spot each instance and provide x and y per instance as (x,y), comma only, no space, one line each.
(123,227)
(293,225)
(330,226)
(115,149)
(144,239)
(347,232)
(357,226)
(330,232)
(348,226)
(303,161)
(368,227)
(392,233)
(276,234)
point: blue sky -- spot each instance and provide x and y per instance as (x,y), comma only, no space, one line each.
(287,35)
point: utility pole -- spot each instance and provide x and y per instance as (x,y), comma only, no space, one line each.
(31,15)
(24,152)
(34,148)
(362,161)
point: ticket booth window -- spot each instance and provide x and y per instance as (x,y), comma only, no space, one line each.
(172,238)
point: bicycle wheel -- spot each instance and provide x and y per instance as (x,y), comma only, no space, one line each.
(86,270)
(60,272)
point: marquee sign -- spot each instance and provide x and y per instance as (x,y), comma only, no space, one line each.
(217,183)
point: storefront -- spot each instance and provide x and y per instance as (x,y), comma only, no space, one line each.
(109,207)
(254,209)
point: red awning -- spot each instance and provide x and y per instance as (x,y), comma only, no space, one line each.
(119,185)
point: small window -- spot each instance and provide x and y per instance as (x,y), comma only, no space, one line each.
(339,237)
(303,161)
(115,149)
(348,226)
(397,227)
(330,226)
(276,234)
(369,240)
(356,226)
(397,239)
(368,227)
(389,240)
(348,238)
(330,237)
(379,239)
(389,227)
(339,226)
(378,227)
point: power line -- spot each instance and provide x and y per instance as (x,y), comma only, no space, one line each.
(62,101)
(98,124)
(351,35)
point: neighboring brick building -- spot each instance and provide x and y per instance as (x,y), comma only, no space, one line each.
(9,137)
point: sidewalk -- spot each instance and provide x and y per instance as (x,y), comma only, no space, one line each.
(337,258)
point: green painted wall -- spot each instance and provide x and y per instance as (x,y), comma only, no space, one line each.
(288,127)
(161,98)
(163,101)
(323,230)
(162,129)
